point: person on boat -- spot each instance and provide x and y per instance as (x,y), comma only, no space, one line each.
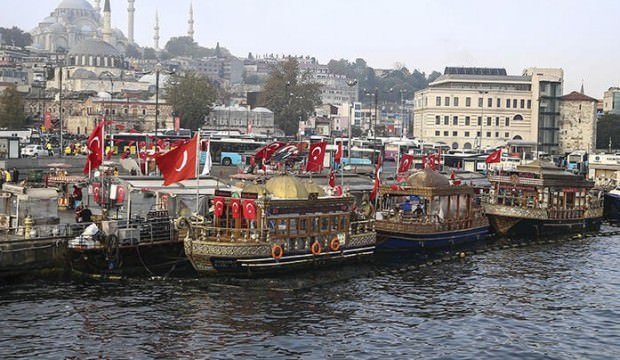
(83,214)
(418,211)
(406,206)
(116,171)
(76,197)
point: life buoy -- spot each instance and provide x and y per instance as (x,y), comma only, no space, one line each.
(334,245)
(315,248)
(276,251)
(97,192)
(120,194)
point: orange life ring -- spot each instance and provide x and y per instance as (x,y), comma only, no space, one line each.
(315,248)
(276,251)
(334,245)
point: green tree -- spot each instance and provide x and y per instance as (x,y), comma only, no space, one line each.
(15,36)
(291,95)
(11,108)
(192,97)
(608,129)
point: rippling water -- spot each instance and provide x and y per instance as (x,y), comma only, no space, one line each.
(558,301)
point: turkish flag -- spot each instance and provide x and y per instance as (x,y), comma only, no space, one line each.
(266,151)
(316,157)
(405,163)
(455,181)
(338,156)
(235,205)
(218,206)
(249,209)
(180,163)
(375,188)
(332,179)
(494,157)
(95,146)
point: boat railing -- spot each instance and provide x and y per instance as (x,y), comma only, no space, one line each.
(565,213)
(227,234)
(59,231)
(362,226)
(433,223)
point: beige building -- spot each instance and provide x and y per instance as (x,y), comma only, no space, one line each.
(577,123)
(472,108)
(611,101)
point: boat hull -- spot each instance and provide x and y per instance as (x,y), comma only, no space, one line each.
(242,259)
(612,208)
(397,241)
(157,259)
(510,226)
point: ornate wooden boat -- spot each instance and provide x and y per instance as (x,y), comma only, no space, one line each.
(428,212)
(541,199)
(283,225)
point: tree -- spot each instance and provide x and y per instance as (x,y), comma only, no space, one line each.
(11,108)
(15,36)
(291,95)
(608,129)
(192,97)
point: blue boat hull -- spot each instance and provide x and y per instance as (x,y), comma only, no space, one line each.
(392,241)
(612,208)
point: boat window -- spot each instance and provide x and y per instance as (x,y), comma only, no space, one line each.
(282,227)
(302,225)
(324,224)
(334,222)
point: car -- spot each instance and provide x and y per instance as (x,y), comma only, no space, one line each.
(33,150)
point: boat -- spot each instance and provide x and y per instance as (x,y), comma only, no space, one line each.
(612,206)
(427,211)
(540,198)
(284,225)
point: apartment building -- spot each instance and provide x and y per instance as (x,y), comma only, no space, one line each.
(478,108)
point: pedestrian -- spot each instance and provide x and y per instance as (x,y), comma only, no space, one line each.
(50,152)
(1,178)
(116,171)
(7,177)
(15,175)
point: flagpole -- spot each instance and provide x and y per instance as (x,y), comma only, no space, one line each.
(198,153)
(102,172)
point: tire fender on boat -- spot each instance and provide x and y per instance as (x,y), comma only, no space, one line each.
(277,251)
(334,244)
(315,248)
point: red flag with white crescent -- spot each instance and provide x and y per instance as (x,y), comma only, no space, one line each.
(316,157)
(235,205)
(95,147)
(180,163)
(332,179)
(405,163)
(338,155)
(218,206)
(266,151)
(249,209)
(494,157)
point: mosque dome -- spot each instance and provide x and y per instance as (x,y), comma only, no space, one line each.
(49,20)
(104,95)
(428,178)
(57,28)
(286,187)
(94,47)
(75,4)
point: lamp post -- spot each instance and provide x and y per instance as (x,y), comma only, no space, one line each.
(350,84)
(375,94)
(403,132)
(157,71)
(482,93)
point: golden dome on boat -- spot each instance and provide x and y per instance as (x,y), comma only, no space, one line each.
(428,178)
(312,187)
(286,187)
(254,188)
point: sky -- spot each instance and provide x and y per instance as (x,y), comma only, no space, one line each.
(580,37)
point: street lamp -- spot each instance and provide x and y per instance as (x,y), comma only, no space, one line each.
(375,93)
(350,84)
(158,69)
(403,132)
(482,93)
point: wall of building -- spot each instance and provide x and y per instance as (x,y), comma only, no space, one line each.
(577,126)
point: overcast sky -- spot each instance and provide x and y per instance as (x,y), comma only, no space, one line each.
(581,37)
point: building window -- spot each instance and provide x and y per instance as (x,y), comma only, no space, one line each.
(507,121)
(497,134)
(437,120)
(490,102)
(455,133)
(455,120)
(447,100)
(479,120)
(488,134)
(499,102)
(143,111)
(522,103)
(497,121)
(480,102)
(446,120)
(466,133)
(489,121)
(438,101)
(517,118)
(445,133)
(508,103)
(468,101)
(437,133)
(478,133)
(529,104)
(456,101)
(514,103)
(507,135)
(455,145)
(467,120)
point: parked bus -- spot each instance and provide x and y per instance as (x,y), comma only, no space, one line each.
(393,150)
(230,151)
(577,162)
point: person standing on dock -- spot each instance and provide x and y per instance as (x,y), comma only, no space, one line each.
(15,175)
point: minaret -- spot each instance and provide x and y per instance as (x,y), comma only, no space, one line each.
(190,22)
(98,7)
(107,22)
(130,12)
(156,28)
